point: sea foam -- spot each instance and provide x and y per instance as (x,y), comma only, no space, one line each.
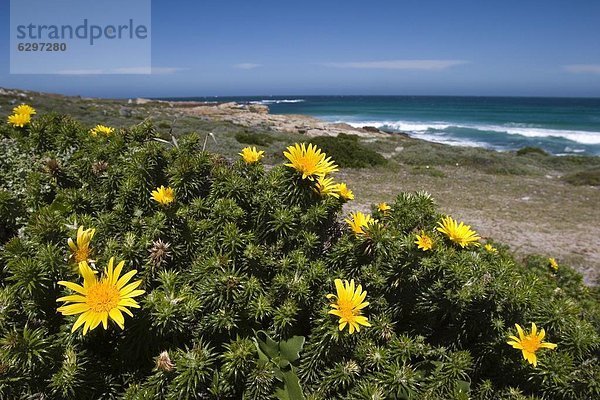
(266,102)
(583,137)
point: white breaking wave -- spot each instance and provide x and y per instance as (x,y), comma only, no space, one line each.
(584,137)
(277,101)
(454,141)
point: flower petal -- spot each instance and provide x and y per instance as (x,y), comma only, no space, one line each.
(75,298)
(115,315)
(72,309)
(125,278)
(73,286)
(129,288)
(82,318)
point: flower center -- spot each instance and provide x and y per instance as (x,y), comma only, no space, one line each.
(103,297)
(530,343)
(82,254)
(306,165)
(347,310)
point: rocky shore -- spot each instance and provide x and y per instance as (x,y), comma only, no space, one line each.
(258,116)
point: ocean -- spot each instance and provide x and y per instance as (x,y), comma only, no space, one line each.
(558,125)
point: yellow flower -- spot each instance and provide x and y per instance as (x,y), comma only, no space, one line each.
(460,234)
(348,305)
(344,192)
(24,109)
(250,155)
(358,221)
(101,129)
(553,263)
(383,208)
(490,249)
(19,120)
(326,187)
(309,161)
(99,299)
(163,195)
(424,242)
(530,343)
(81,250)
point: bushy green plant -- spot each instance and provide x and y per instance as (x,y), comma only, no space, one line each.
(589,177)
(527,150)
(348,151)
(255,138)
(236,271)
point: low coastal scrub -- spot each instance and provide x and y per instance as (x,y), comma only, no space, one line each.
(255,138)
(348,152)
(135,269)
(531,150)
(590,177)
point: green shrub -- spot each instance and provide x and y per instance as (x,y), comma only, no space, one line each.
(590,177)
(236,273)
(531,150)
(254,138)
(347,151)
(421,153)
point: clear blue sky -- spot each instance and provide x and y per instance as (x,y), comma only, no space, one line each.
(422,47)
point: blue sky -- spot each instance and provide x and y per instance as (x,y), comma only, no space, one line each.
(523,48)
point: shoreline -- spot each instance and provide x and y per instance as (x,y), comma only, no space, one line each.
(256,115)
(444,122)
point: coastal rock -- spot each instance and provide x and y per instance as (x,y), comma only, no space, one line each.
(125,112)
(371,129)
(258,108)
(257,116)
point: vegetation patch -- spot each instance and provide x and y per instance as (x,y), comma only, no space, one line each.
(590,177)
(255,138)
(136,269)
(531,150)
(348,151)
(427,170)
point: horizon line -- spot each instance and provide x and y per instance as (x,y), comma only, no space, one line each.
(307,95)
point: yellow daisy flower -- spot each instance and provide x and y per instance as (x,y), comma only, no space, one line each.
(163,195)
(344,192)
(101,130)
(358,221)
(81,250)
(424,242)
(460,234)
(383,208)
(348,304)
(490,249)
(24,109)
(19,120)
(326,187)
(309,161)
(529,344)
(99,299)
(250,155)
(553,263)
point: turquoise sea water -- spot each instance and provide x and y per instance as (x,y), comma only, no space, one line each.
(558,125)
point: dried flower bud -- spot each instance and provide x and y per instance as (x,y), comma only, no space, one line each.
(52,166)
(160,252)
(99,167)
(164,363)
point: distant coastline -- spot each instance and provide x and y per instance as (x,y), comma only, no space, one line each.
(560,126)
